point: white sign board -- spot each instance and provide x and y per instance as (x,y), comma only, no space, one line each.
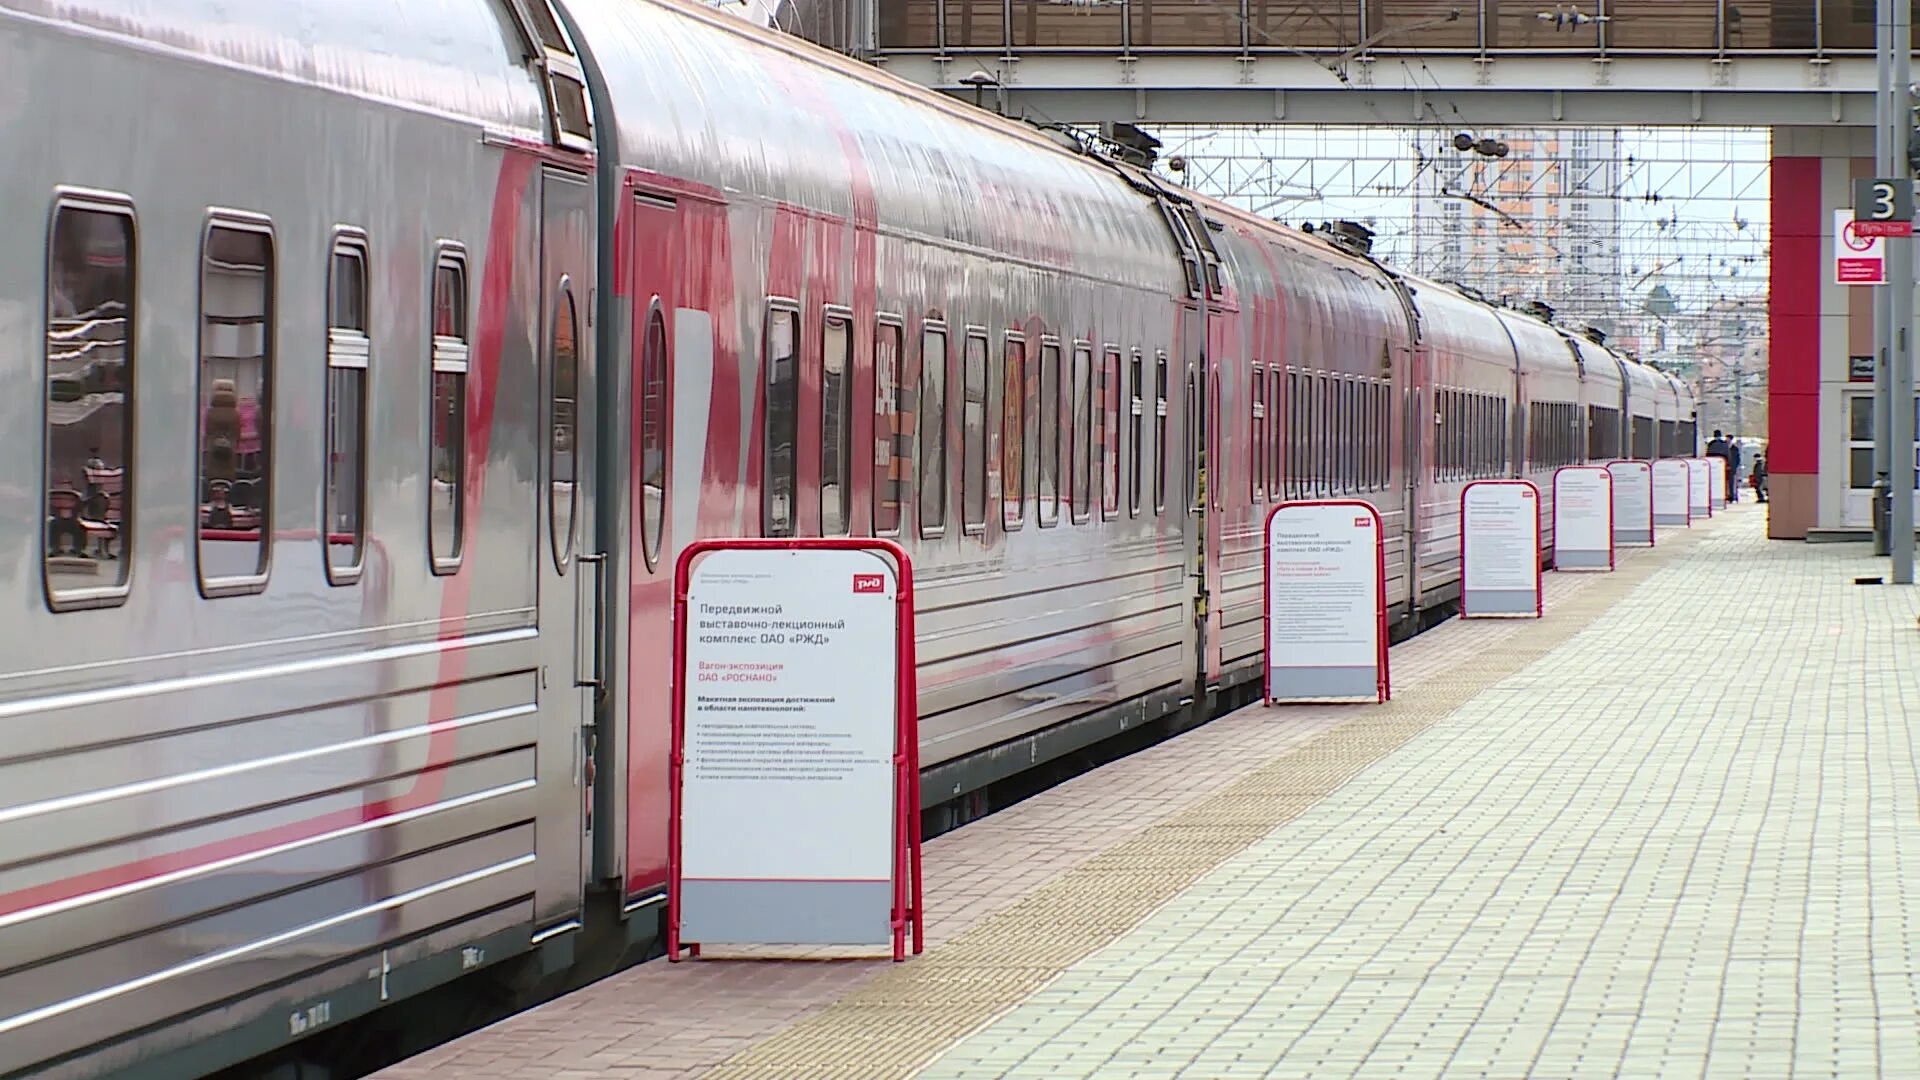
(787,792)
(1583,518)
(1672,504)
(1699,488)
(1325,603)
(1857,260)
(1632,503)
(1717,481)
(1500,549)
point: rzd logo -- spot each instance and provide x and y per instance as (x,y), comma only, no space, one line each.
(869,583)
(1361,522)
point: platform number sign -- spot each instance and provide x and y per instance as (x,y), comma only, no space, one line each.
(1882,207)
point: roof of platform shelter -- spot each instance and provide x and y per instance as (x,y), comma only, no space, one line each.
(1720,62)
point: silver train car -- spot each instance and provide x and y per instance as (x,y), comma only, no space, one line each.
(363,426)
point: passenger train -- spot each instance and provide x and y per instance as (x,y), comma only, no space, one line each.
(374,361)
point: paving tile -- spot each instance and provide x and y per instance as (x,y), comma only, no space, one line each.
(1667,830)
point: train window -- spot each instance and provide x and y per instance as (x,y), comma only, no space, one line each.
(1080,415)
(973,433)
(89,402)
(236,406)
(563,456)
(1274,428)
(653,434)
(1160,432)
(890,454)
(1049,406)
(1216,434)
(1349,438)
(1324,434)
(933,430)
(1258,428)
(1013,434)
(779,473)
(349,350)
(1193,421)
(836,424)
(447,424)
(1109,424)
(1384,393)
(1136,412)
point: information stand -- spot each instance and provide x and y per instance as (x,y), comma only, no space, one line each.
(1500,549)
(1326,603)
(794,771)
(1582,518)
(1672,502)
(1699,488)
(1717,481)
(1632,503)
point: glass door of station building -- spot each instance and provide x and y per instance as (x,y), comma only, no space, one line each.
(1858,509)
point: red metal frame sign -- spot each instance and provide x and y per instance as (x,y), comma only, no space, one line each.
(1323,556)
(1528,491)
(1607,475)
(785,657)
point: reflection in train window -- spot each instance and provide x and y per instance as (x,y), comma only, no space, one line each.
(89,353)
(447,420)
(836,426)
(1081,416)
(933,430)
(1135,409)
(783,419)
(236,406)
(653,435)
(1160,433)
(1257,433)
(891,456)
(1049,406)
(1013,433)
(1108,423)
(973,434)
(349,351)
(563,434)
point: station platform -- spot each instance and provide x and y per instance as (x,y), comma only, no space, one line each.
(1670,829)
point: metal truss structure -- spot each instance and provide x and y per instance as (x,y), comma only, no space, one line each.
(1656,236)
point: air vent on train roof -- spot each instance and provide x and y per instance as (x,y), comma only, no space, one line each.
(1595,334)
(1539,310)
(1350,235)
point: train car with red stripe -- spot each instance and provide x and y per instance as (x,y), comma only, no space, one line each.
(380,359)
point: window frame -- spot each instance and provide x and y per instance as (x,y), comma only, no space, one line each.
(1160,425)
(1257,434)
(773,307)
(1107,413)
(353,241)
(971,334)
(86,200)
(1048,408)
(1135,407)
(883,323)
(1013,514)
(262,225)
(842,316)
(449,356)
(1084,475)
(922,427)
(653,531)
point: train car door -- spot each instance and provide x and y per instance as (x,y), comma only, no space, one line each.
(570,570)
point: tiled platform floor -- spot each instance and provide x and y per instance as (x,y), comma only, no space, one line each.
(1660,832)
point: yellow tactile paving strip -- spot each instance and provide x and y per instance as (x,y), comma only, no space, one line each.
(900,1020)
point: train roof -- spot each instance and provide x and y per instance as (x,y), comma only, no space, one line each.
(702,95)
(462,58)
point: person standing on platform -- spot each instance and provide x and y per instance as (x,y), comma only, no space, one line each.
(1759,476)
(1733,471)
(1717,448)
